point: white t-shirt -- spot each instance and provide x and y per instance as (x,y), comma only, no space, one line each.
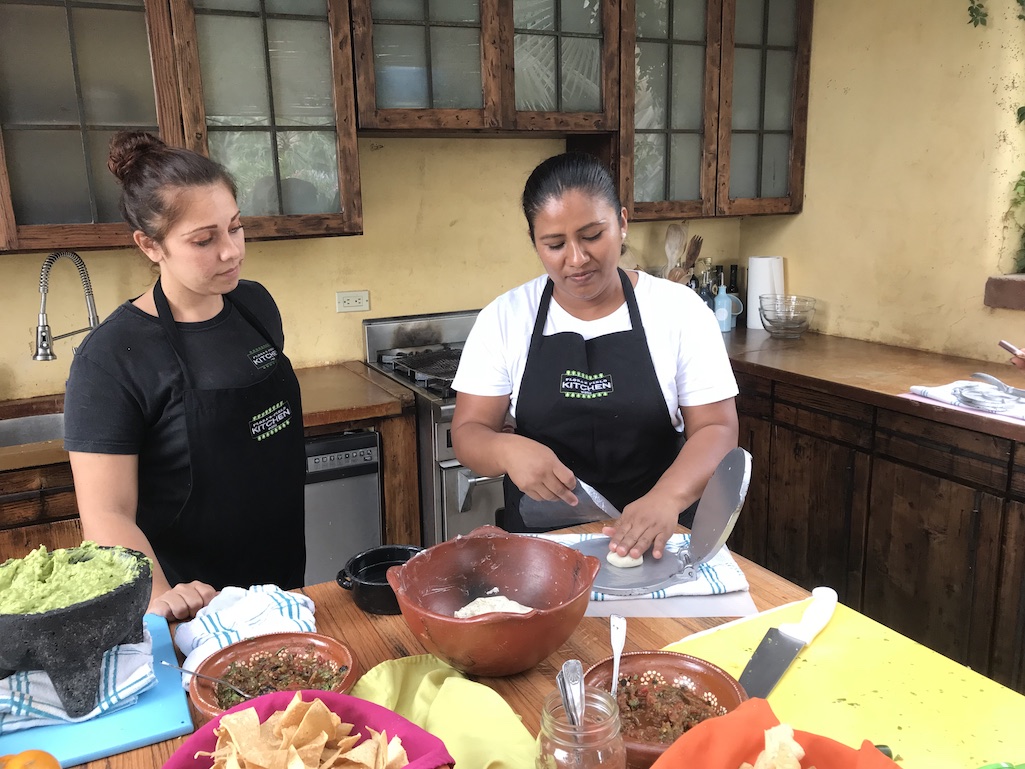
(684,341)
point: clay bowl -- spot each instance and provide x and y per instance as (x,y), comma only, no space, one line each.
(553,579)
(364,575)
(203,692)
(69,643)
(701,677)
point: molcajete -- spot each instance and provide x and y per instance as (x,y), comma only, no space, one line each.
(69,643)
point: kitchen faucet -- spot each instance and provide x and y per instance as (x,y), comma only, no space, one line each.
(44,340)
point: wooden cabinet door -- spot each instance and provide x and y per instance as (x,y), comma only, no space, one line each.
(754,408)
(932,560)
(1007,664)
(17,543)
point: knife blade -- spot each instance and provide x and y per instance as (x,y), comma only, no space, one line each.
(780,645)
(599,500)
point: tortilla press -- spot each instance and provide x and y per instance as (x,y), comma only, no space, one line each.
(714,520)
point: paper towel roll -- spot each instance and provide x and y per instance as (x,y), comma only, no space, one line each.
(764,276)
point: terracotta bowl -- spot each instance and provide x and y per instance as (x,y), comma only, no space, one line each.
(553,579)
(203,692)
(69,643)
(673,666)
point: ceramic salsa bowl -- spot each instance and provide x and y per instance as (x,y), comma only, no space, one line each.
(553,579)
(708,681)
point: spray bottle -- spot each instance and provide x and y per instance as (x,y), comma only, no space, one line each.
(723,306)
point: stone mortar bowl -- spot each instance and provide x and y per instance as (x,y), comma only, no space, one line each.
(69,643)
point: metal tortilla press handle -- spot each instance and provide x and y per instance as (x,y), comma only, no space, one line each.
(999,385)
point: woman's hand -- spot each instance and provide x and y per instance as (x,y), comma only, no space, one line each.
(647,522)
(182,601)
(537,471)
(1018,361)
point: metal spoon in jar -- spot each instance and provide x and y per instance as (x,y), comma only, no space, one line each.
(209,678)
(573,673)
(618,625)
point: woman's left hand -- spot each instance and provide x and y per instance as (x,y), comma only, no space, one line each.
(648,522)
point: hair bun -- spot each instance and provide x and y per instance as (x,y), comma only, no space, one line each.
(127,148)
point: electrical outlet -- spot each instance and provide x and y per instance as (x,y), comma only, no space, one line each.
(352,301)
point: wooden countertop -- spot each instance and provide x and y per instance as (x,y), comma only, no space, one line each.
(338,394)
(869,372)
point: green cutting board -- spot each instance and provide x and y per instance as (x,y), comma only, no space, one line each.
(859,680)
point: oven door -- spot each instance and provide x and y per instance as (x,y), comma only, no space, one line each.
(470,500)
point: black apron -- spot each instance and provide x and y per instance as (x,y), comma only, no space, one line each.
(243,522)
(598,405)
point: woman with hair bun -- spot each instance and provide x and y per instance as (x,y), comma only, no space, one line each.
(605,372)
(182,413)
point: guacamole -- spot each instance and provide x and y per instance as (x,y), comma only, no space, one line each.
(44,580)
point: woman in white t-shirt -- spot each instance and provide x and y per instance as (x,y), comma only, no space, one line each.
(604,371)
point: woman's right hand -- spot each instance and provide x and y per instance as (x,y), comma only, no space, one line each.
(182,601)
(537,471)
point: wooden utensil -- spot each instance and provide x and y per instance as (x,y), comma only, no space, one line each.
(675,237)
(693,250)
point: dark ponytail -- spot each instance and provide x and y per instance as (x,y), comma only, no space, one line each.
(562,173)
(152,174)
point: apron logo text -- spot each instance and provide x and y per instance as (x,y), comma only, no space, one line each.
(577,384)
(270,421)
(263,356)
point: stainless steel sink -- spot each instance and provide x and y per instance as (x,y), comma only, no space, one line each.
(34,429)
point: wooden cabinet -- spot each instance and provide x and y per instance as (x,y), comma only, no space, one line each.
(37,507)
(487,65)
(754,409)
(272,100)
(714,105)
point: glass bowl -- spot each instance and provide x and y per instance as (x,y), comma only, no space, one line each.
(786,316)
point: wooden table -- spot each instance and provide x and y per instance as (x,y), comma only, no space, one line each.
(376,638)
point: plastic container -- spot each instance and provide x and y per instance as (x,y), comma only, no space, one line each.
(598,742)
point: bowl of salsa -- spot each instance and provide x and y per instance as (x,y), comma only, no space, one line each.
(277,662)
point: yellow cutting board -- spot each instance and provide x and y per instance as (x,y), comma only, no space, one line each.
(859,680)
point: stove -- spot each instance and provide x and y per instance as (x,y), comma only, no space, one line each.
(422,352)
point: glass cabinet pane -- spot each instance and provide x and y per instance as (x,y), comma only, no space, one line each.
(689,93)
(744,166)
(455,68)
(582,16)
(534,14)
(252,6)
(652,18)
(775,181)
(750,18)
(689,20)
(747,89)
(400,10)
(296,7)
(782,23)
(685,170)
(535,73)
(649,167)
(652,85)
(400,66)
(272,126)
(35,89)
(34,160)
(779,89)
(581,75)
(456,10)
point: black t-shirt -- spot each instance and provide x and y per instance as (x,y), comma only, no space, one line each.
(124,392)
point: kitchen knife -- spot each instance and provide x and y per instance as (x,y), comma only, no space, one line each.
(596,496)
(781,645)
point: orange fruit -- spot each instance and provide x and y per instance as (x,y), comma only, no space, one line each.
(30,759)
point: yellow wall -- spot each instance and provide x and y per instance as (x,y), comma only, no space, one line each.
(912,152)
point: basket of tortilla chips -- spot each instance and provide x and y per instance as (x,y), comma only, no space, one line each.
(312,730)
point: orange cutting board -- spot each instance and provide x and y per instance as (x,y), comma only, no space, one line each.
(859,680)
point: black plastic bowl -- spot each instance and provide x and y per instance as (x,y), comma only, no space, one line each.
(365,572)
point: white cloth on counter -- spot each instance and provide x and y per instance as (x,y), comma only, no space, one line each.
(945,394)
(28,699)
(719,574)
(237,613)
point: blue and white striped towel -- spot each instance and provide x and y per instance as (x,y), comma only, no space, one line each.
(236,613)
(28,699)
(719,574)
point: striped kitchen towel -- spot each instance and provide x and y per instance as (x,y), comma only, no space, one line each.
(28,699)
(719,574)
(236,613)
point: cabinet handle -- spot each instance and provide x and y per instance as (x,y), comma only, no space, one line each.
(467,483)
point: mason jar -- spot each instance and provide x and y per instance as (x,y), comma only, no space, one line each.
(598,741)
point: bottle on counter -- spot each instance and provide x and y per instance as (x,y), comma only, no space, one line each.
(596,742)
(733,288)
(723,306)
(705,288)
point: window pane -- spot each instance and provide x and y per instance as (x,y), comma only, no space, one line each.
(35,159)
(582,16)
(744,166)
(108,193)
(400,10)
(455,68)
(652,85)
(309,172)
(315,8)
(247,155)
(649,167)
(652,18)
(132,3)
(685,167)
(34,88)
(114,67)
(535,72)
(300,62)
(689,86)
(581,75)
(782,22)
(253,6)
(747,79)
(231,54)
(400,65)
(775,165)
(750,16)
(534,14)
(455,10)
(689,20)
(779,85)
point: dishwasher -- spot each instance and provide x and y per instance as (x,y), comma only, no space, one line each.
(343,501)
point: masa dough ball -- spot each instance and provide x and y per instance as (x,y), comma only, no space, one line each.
(623,561)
